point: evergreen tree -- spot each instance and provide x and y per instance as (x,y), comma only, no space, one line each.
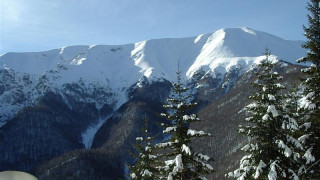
(273,150)
(310,103)
(145,166)
(180,161)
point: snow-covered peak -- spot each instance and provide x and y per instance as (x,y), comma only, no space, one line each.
(123,65)
(113,69)
(240,48)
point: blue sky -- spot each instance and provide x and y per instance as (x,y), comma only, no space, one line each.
(38,25)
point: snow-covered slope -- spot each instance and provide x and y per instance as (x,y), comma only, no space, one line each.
(116,67)
(60,99)
(153,57)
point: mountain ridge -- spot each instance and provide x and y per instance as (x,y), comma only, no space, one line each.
(78,93)
(231,40)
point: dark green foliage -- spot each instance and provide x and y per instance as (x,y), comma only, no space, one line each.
(180,161)
(310,106)
(145,168)
(273,151)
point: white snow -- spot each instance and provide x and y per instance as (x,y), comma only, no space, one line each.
(178,163)
(271,97)
(312,106)
(291,124)
(280,85)
(88,135)
(294,176)
(216,52)
(133,175)
(192,117)
(146,172)
(264,88)
(287,150)
(305,102)
(265,117)
(165,144)
(163,114)
(308,156)
(252,105)
(246,147)
(177,166)
(204,157)
(273,171)
(307,125)
(259,169)
(303,138)
(273,111)
(192,132)
(202,178)
(185,149)
(169,129)
(120,66)
(180,105)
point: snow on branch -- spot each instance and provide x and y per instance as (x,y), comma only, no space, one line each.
(186,149)
(273,171)
(202,178)
(287,150)
(192,132)
(305,102)
(146,173)
(308,156)
(291,124)
(273,110)
(169,129)
(259,169)
(163,114)
(250,147)
(203,157)
(178,166)
(278,85)
(166,144)
(271,97)
(303,138)
(191,117)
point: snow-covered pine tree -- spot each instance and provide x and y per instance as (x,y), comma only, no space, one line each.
(292,100)
(310,103)
(145,168)
(181,161)
(273,153)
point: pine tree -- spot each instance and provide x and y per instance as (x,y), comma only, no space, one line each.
(273,151)
(310,103)
(145,168)
(181,162)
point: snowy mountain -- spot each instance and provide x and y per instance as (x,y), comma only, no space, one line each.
(68,93)
(115,68)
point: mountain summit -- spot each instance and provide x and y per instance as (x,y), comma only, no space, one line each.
(117,67)
(93,96)
(155,58)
